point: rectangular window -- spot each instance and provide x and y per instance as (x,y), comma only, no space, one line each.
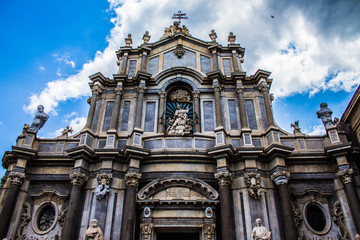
(208,113)
(171,60)
(263,113)
(125,116)
(96,116)
(250,112)
(149,123)
(234,124)
(153,65)
(108,114)
(205,64)
(227,66)
(132,68)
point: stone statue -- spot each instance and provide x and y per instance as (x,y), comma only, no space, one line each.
(357,237)
(325,114)
(102,190)
(39,120)
(180,123)
(94,232)
(296,127)
(260,232)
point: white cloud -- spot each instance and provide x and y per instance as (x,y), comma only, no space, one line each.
(58,72)
(76,124)
(315,130)
(300,57)
(1,123)
(64,59)
(42,68)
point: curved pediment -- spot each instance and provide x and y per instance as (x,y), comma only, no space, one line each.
(188,75)
(178,188)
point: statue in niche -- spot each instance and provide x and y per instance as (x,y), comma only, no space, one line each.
(260,232)
(325,115)
(179,124)
(102,190)
(39,120)
(94,232)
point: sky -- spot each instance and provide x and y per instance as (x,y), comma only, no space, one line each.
(49,48)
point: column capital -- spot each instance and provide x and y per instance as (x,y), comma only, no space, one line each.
(78,178)
(118,91)
(141,89)
(280,177)
(161,94)
(240,90)
(217,88)
(224,178)
(263,87)
(346,175)
(132,178)
(17,178)
(196,94)
(96,91)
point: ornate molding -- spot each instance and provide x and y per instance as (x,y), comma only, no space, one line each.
(224,178)
(346,175)
(338,218)
(3,181)
(298,218)
(25,219)
(169,182)
(118,91)
(132,178)
(17,178)
(280,177)
(209,230)
(217,88)
(141,89)
(253,182)
(196,94)
(61,217)
(263,87)
(104,181)
(78,178)
(49,196)
(240,90)
(179,50)
(146,229)
(162,94)
(96,91)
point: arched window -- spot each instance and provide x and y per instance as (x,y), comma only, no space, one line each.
(179,111)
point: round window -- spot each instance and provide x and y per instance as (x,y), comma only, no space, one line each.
(317,218)
(46,218)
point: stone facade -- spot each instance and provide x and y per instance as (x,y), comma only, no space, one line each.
(181,142)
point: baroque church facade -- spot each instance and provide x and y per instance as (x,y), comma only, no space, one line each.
(182,144)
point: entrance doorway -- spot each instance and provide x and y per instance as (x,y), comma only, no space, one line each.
(178,236)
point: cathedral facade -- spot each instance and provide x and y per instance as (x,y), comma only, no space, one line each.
(182,144)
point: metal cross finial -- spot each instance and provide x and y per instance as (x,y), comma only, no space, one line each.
(179,16)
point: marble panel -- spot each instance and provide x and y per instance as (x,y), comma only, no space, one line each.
(125,116)
(202,143)
(208,116)
(263,112)
(250,112)
(96,115)
(227,66)
(205,63)
(101,143)
(71,145)
(315,144)
(149,123)
(108,114)
(178,143)
(132,68)
(234,124)
(121,144)
(153,65)
(289,143)
(47,147)
(153,144)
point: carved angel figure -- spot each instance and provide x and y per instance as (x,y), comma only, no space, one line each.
(180,124)
(102,190)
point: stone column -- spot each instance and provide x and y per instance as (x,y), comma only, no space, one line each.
(281,179)
(161,116)
(128,220)
(243,118)
(115,114)
(196,102)
(265,90)
(227,216)
(346,177)
(17,179)
(90,117)
(71,219)
(219,122)
(139,107)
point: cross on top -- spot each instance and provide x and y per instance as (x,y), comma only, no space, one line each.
(179,16)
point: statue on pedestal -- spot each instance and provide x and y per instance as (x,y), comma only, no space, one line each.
(325,114)
(39,120)
(94,232)
(260,232)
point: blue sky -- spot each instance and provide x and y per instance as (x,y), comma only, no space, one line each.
(49,48)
